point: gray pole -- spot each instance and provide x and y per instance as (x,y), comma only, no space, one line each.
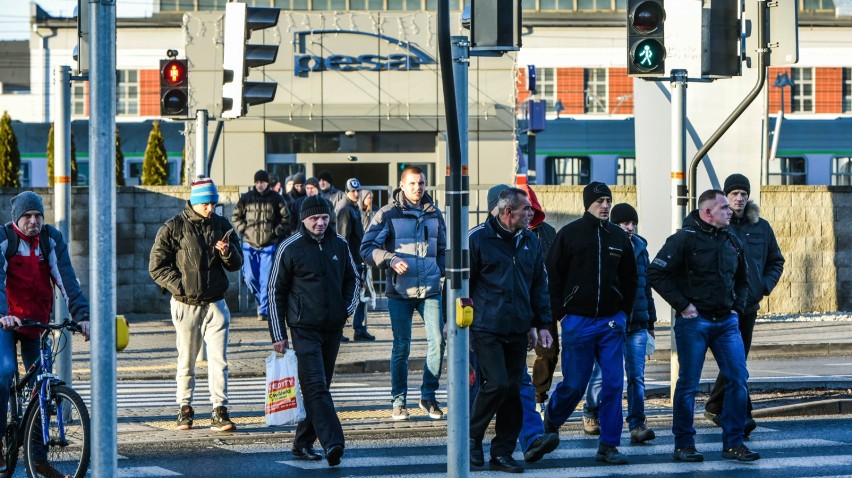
(201,143)
(458,191)
(62,196)
(678,185)
(102,237)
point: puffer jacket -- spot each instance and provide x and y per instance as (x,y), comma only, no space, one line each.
(313,284)
(591,269)
(349,226)
(765,261)
(184,260)
(704,266)
(261,218)
(508,282)
(416,235)
(644,312)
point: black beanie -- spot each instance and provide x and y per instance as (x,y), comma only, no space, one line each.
(737,181)
(593,191)
(313,182)
(299,178)
(313,205)
(623,212)
(326,176)
(261,176)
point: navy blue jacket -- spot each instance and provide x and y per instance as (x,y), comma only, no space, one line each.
(508,281)
(765,261)
(644,312)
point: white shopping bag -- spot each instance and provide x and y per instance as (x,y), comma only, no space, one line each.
(284,405)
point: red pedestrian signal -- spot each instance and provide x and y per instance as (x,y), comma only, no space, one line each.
(174,86)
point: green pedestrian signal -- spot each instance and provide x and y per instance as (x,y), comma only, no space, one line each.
(648,55)
(646,49)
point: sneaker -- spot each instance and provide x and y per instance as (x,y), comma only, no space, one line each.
(505,463)
(750,425)
(740,453)
(185,416)
(47,470)
(431,408)
(400,413)
(541,446)
(611,455)
(364,336)
(333,455)
(687,454)
(220,421)
(713,417)
(591,426)
(641,434)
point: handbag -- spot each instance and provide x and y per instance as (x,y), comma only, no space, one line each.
(284,404)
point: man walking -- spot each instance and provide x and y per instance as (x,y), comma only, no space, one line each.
(592,274)
(702,273)
(408,239)
(313,290)
(765,266)
(508,280)
(349,226)
(191,254)
(262,219)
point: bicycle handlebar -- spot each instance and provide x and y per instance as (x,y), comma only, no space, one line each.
(72,326)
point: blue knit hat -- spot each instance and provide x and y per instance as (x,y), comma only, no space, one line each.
(203,191)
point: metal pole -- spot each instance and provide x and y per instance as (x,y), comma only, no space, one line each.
(102,267)
(776,137)
(458,272)
(678,185)
(62,197)
(201,142)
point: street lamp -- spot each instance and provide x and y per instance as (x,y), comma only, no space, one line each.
(782,80)
(558,108)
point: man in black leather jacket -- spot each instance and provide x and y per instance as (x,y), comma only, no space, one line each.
(701,272)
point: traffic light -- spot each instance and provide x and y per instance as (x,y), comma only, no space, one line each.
(81,49)
(237,93)
(646,45)
(174,86)
(495,27)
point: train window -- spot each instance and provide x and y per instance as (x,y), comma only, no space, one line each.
(626,175)
(847,90)
(568,171)
(841,171)
(788,171)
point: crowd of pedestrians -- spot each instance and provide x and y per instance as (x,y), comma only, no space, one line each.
(301,238)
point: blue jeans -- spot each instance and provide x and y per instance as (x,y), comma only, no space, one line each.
(257,263)
(532,426)
(584,341)
(634,368)
(360,318)
(8,365)
(401,314)
(694,337)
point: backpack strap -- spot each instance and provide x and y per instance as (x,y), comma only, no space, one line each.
(13,241)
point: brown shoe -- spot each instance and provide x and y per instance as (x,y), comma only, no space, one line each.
(47,470)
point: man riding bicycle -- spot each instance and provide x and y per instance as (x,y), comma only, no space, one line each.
(28,275)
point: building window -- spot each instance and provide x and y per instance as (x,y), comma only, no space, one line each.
(802,98)
(212,5)
(847,90)
(359,142)
(177,5)
(626,174)
(127,93)
(433,4)
(788,171)
(368,4)
(78,99)
(815,5)
(568,171)
(290,4)
(545,86)
(575,5)
(26,174)
(328,5)
(841,171)
(594,86)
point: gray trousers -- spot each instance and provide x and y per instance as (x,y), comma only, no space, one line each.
(193,324)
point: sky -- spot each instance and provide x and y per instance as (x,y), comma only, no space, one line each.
(15,21)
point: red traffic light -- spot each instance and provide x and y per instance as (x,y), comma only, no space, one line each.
(174,72)
(647,17)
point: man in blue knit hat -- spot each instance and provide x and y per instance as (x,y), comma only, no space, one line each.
(190,257)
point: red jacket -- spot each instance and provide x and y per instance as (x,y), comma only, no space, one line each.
(29,284)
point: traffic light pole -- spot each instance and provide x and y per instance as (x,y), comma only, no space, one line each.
(678,184)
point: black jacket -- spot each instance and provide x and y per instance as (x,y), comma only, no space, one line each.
(313,284)
(185,262)
(508,282)
(704,266)
(591,269)
(350,227)
(261,219)
(765,261)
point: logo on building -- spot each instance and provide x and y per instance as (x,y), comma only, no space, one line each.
(304,63)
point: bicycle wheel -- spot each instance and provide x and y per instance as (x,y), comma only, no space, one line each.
(10,440)
(68,454)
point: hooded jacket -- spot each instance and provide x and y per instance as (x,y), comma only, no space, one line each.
(416,235)
(704,266)
(644,312)
(591,269)
(765,261)
(545,232)
(508,281)
(261,218)
(313,284)
(185,262)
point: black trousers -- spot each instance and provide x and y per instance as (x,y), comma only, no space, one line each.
(502,362)
(316,351)
(545,365)
(717,395)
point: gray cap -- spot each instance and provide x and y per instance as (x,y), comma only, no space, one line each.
(26,201)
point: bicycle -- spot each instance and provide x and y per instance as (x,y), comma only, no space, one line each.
(48,419)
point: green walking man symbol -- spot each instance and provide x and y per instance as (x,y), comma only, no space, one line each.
(646,55)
